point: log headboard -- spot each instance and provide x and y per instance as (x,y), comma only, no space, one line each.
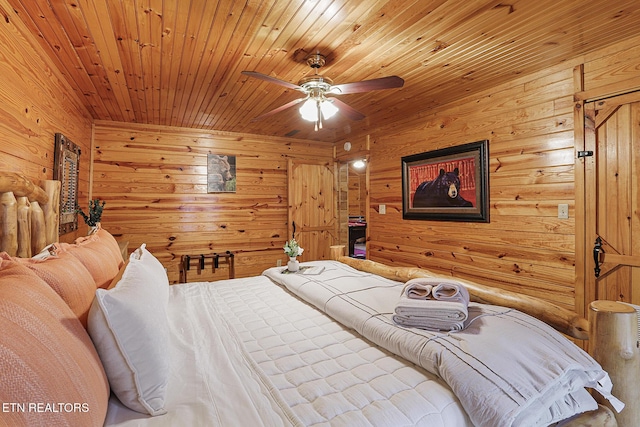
(29,214)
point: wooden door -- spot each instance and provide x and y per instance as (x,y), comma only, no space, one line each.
(312,207)
(612,199)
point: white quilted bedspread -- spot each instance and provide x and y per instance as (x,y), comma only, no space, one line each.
(507,368)
(245,352)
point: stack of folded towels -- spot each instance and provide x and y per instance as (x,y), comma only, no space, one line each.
(434,304)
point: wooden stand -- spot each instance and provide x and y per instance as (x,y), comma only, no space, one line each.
(199,262)
(613,342)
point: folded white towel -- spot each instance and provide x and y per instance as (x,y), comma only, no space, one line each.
(436,288)
(418,290)
(428,323)
(431,314)
(433,304)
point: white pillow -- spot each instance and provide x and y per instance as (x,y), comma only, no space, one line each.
(129,327)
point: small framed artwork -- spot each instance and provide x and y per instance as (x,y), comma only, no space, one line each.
(450,184)
(221,174)
(66,169)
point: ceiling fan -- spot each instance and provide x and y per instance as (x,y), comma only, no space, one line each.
(317,105)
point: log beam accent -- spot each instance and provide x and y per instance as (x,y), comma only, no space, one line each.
(21,186)
(38,229)
(336,251)
(601,417)
(613,342)
(559,318)
(24,227)
(8,223)
(52,210)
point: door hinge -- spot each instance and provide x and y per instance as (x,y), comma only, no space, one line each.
(585,154)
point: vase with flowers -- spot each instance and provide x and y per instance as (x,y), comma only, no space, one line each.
(95,214)
(292,249)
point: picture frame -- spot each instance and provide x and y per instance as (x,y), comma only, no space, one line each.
(449,184)
(221,173)
(66,169)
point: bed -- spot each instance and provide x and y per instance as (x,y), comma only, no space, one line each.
(90,338)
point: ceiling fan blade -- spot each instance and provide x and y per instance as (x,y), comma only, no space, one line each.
(368,85)
(277,110)
(348,111)
(270,79)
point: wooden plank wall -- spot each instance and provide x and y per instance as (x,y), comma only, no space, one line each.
(357,192)
(343,203)
(529,123)
(154,180)
(35,103)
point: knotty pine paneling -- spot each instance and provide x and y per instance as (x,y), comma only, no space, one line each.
(154,180)
(525,247)
(529,125)
(357,192)
(35,103)
(179,62)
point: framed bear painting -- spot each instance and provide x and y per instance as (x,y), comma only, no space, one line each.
(221,174)
(450,184)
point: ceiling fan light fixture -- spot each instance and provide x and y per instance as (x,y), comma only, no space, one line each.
(316,107)
(328,109)
(309,110)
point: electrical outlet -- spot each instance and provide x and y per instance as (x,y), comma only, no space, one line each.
(382,209)
(563,211)
(279,263)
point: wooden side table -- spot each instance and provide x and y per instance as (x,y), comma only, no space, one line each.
(199,262)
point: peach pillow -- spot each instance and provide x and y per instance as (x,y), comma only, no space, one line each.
(49,370)
(69,278)
(111,244)
(97,254)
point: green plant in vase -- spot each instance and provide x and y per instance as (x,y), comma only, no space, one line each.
(95,213)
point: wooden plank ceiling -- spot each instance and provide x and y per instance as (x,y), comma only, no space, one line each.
(179,62)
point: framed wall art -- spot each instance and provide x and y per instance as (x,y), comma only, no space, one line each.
(66,169)
(221,174)
(450,184)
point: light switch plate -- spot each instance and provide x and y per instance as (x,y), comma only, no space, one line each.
(382,209)
(563,211)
